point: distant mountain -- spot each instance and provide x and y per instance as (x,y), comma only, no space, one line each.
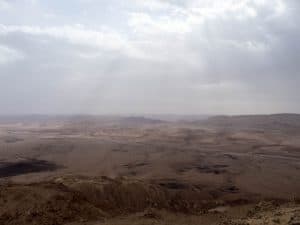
(79,117)
(90,122)
(32,118)
(177,117)
(274,121)
(139,120)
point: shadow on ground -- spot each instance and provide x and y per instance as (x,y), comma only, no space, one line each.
(9,169)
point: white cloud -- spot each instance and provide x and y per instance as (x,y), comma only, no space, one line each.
(9,55)
(155,55)
(183,19)
(152,5)
(4,5)
(77,34)
(103,39)
(144,23)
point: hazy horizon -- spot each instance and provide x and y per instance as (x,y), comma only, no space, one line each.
(179,57)
(139,115)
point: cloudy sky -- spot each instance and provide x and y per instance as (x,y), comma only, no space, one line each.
(149,56)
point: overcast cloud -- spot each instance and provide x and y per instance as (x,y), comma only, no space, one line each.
(149,56)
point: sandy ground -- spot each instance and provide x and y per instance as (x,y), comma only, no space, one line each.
(226,172)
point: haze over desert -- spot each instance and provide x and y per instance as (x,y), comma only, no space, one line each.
(149,112)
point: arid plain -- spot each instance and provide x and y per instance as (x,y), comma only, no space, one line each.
(150,170)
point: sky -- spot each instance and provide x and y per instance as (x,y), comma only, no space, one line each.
(149,56)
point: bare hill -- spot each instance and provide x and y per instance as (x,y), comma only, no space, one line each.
(271,122)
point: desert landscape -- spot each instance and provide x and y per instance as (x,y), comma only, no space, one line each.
(91,170)
(149,112)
